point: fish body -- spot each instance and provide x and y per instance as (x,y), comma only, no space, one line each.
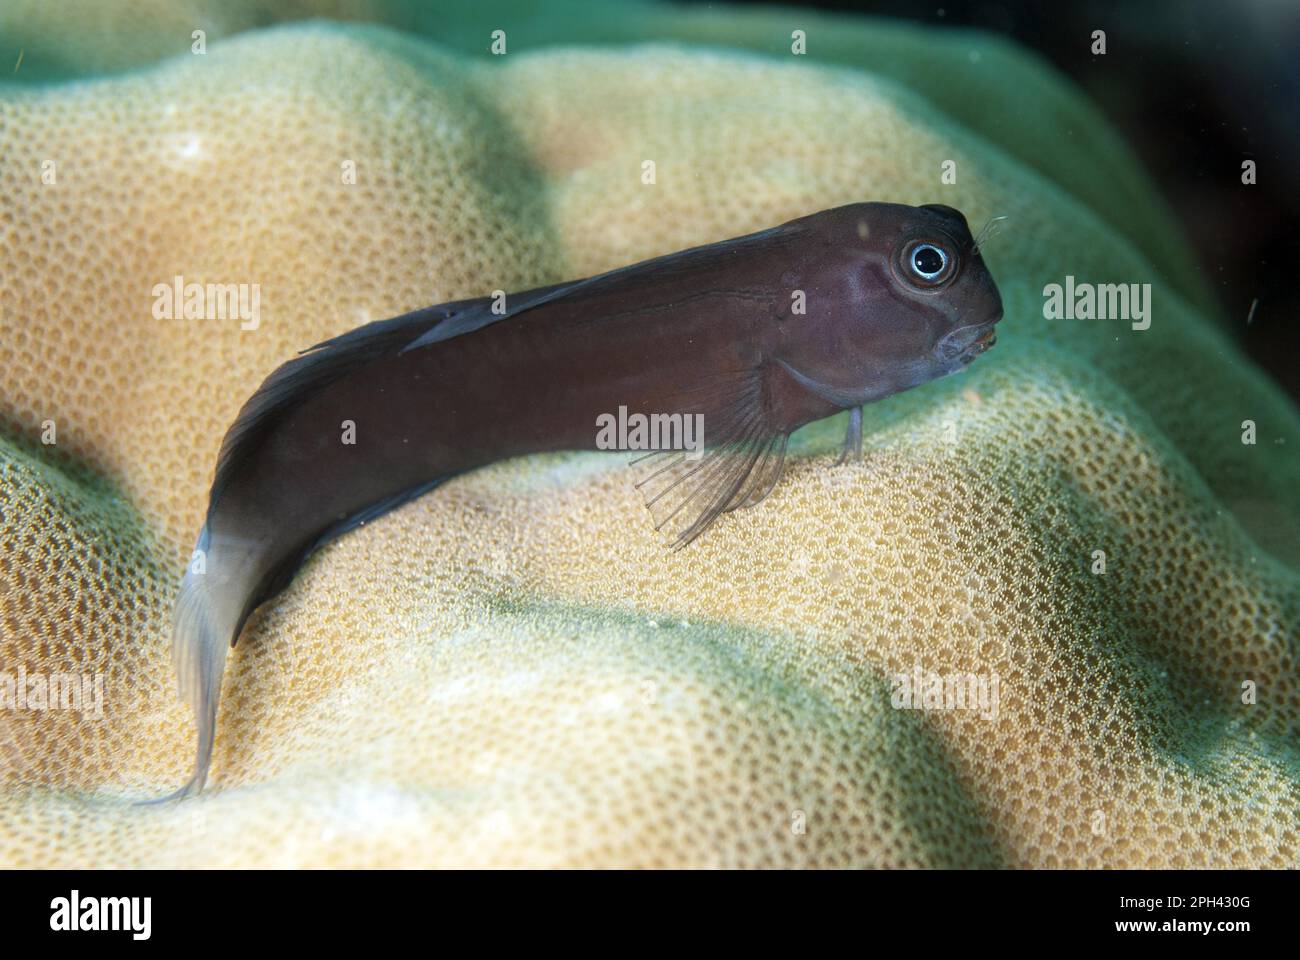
(755,336)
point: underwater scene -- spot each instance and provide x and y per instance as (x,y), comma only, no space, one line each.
(633,435)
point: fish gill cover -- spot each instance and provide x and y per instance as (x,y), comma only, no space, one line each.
(1097,523)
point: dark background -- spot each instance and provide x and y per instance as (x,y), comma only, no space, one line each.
(1195,87)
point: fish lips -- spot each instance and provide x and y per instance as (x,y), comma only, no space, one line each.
(967,342)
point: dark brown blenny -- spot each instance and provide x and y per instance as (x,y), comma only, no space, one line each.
(758,336)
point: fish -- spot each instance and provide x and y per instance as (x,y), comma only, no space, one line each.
(754,336)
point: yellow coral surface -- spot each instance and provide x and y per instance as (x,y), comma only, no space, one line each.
(512,670)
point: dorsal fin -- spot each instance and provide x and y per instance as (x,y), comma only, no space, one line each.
(466,316)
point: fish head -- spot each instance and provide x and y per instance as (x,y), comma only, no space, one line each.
(898,296)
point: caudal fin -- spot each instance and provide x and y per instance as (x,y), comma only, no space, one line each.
(213,603)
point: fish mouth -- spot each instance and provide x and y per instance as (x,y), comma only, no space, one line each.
(966,343)
(983,342)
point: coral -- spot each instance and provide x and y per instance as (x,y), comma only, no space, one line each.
(512,670)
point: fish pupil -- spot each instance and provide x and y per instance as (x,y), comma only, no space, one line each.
(928,261)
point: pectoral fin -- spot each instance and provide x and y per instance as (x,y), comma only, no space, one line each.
(740,464)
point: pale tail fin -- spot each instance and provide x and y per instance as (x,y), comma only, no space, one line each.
(214,600)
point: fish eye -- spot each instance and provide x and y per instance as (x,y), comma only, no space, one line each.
(925,264)
(928,261)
